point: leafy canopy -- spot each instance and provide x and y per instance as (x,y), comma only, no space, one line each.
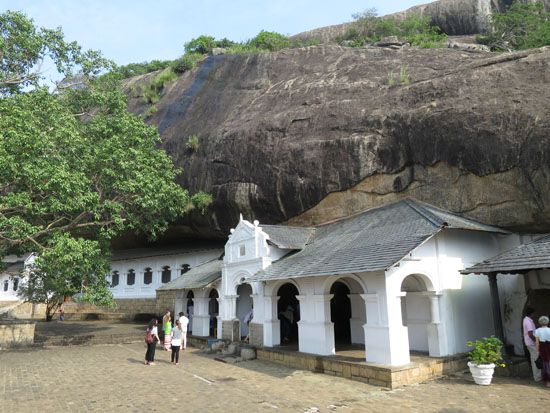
(521,26)
(76,168)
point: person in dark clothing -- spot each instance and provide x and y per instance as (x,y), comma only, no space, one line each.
(151,339)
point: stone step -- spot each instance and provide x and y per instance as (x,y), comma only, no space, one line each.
(91,339)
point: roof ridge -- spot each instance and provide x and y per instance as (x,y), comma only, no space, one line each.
(424,212)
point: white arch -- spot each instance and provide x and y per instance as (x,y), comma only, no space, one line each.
(272,288)
(425,277)
(327,284)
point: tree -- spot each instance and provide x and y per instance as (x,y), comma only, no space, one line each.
(521,26)
(76,169)
(202,44)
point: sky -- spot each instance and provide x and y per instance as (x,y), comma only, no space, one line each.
(130,31)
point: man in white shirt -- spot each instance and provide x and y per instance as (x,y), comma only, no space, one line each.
(529,340)
(184,322)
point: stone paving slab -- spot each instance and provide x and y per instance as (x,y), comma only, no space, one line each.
(114,378)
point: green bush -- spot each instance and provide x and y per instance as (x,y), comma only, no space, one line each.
(135,69)
(192,143)
(202,44)
(151,91)
(201,201)
(488,350)
(415,29)
(270,41)
(521,26)
(187,62)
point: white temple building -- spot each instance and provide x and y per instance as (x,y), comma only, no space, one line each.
(387,279)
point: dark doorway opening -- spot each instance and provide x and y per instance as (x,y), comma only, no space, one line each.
(288,313)
(340,313)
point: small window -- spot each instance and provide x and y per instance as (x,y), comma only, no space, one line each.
(131,277)
(114,279)
(147,276)
(185,268)
(166,274)
(6,285)
(242,250)
(15,284)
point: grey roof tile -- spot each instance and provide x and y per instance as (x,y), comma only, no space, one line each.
(288,237)
(198,277)
(372,240)
(534,255)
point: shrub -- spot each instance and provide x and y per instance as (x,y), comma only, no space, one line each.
(404,75)
(192,142)
(201,201)
(187,62)
(521,26)
(271,41)
(488,350)
(135,69)
(202,44)
(151,92)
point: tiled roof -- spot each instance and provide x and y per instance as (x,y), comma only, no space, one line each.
(372,240)
(198,277)
(288,237)
(535,255)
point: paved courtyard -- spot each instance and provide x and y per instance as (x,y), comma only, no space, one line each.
(114,378)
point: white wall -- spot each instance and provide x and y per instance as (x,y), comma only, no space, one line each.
(156,263)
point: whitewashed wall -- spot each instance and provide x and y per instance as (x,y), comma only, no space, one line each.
(156,263)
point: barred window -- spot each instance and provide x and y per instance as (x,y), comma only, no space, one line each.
(185,268)
(147,276)
(131,277)
(166,274)
(114,279)
(15,284)
(6,285)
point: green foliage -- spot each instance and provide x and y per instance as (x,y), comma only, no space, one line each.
(192,143)
(521,26)
(270,41)
(152,90)
(187,62)
(488,350)
(68,266)
(76,170)
(403,78)
(201,201)
(136,69)
(202,44)
(23,47)
(415,29)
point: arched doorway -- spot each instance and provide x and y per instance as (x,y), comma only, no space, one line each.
(190,310)
(288,313)
(213,311)
(244,305)
(340,314)
(415,312)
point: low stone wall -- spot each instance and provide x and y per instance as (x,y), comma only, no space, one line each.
(256,334)
(15,333)
(132,307)
(27,311)
(391,377)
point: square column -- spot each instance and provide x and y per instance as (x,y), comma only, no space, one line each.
(272,325)
(357,319)
(437,343)
(201,318)
(230,326)
(386,339)
(315,330)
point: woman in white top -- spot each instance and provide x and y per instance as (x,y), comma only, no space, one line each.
(542,335)
(176,342)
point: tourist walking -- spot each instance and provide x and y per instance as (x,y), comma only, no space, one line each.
(167,329)
(529,340)
(151,339)
(542,335)
(177,335)
(184,322)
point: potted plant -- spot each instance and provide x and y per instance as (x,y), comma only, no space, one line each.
(487,354)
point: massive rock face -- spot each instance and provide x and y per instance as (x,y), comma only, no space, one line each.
(309,135)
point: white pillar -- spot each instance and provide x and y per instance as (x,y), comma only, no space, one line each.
(357,319)
(386,339)
(272,326)
(201,318)
(436,333)
(315,330)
